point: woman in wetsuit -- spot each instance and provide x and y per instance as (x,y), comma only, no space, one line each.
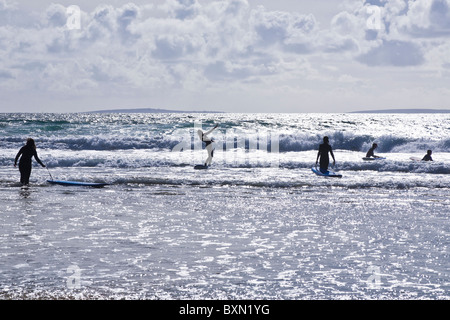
(324,149)
(27,152)
(209,147)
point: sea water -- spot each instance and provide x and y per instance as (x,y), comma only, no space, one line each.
(258,224)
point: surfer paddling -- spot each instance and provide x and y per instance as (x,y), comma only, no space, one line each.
(324,149)
(208,141)
(26,153)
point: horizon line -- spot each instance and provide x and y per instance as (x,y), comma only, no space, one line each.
(159,110)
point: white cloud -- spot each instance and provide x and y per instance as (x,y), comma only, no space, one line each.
(198,49)
(181,9)
(394,53)
(425,18)
(403,31)
(55,16)
(7,11)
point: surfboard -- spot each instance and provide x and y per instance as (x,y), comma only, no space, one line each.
(415,159)
(200,167)
(77,183)
(327,174)
(371,159)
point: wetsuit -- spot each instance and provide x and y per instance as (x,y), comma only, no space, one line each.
(427,157)
(209,147)
(210,150)
(25,165)
(324,148)
(208,142)
(370,153)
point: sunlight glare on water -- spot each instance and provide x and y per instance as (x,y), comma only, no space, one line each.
(243,229)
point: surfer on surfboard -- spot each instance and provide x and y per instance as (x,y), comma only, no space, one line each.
(208,141)
(324,149)
(370,153)
(427,157)
(26,153)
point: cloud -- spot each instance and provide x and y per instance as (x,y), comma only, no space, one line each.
(289,31)
(212,46)
(224,39)
(5,75)
(424,18)
(125,17)
(440,15)
(56,15)
(394,32)
(10,14)
(182,9)
(394,53)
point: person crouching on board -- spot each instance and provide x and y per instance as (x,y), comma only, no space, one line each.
(371,151)
(209,147)
(324,149)
(427,157)
(26,153)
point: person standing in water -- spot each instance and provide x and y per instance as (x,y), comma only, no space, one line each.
(26,153)
(427,157)
(371,150)
(324,149)
(209,147)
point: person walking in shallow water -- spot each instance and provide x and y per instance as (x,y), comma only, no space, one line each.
(324,149)
(25,153)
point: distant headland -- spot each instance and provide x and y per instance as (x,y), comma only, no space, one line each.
(404,111)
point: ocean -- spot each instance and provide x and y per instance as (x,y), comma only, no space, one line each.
(258,224)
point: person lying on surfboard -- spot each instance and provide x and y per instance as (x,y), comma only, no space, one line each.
(427,157)
(209,147)
(370,154)
(324,149)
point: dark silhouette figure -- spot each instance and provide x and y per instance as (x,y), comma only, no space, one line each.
(324,149)
(208,141)
(26,153)
(427,157)
(371,150)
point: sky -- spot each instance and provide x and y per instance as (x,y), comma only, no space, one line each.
(224,55)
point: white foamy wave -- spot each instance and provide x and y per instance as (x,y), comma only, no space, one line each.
(362,143)
(236,158)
